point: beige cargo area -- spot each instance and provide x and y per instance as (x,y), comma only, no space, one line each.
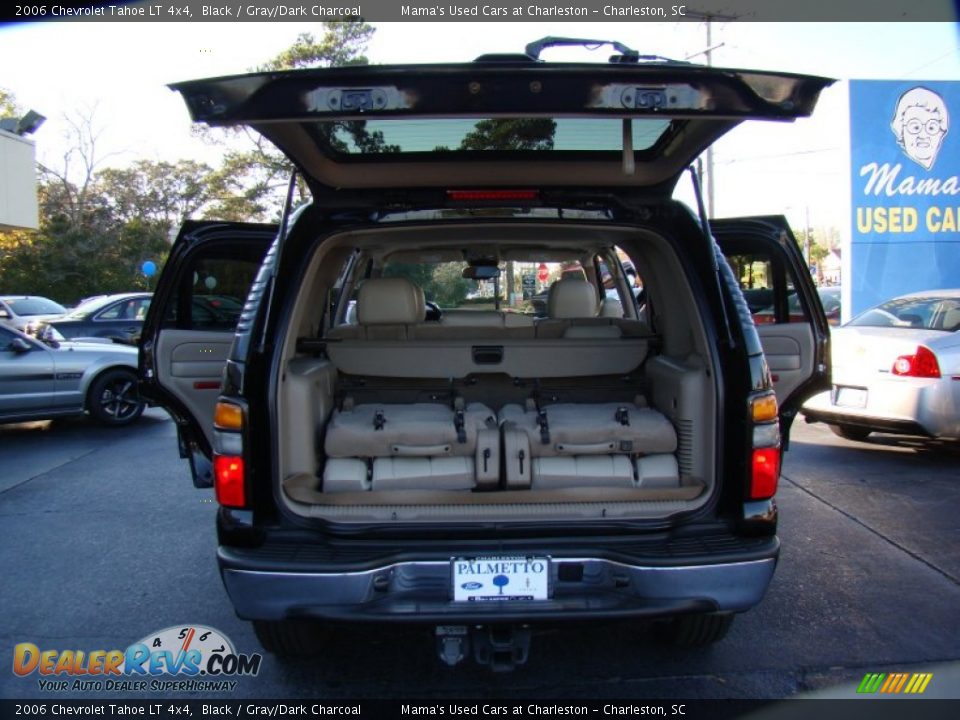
(599,409)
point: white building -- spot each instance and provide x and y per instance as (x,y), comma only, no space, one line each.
(830,268)
(18,182)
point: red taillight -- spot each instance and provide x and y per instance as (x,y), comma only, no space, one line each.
(923,363)
(467,195)
(228,480)
(764,473)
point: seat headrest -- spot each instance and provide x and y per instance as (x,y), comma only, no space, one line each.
(572,298)
(389,301)
(951,319)
(612,308)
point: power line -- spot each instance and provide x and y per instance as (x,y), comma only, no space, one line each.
(758,158)
(937,59)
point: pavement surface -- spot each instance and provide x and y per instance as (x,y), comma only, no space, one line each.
(104,540)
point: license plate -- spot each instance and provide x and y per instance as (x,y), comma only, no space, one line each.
(493,579)
(851,397)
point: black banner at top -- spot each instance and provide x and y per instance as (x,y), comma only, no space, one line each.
(481,10)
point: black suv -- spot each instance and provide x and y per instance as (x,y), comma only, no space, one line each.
(394,436)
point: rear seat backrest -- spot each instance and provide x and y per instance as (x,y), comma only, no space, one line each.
(417,446)
(588,445)
(572,312)
(385,307)
(477,325)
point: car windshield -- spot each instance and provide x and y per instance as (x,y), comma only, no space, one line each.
(34,306)
(927,313)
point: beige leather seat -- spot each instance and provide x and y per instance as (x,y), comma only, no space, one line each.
(386,309)
(417,446)
(588,445)
(573,312)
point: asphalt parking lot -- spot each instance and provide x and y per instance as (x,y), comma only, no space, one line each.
(103,540)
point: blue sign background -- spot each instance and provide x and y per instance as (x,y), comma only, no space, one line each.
(904,216)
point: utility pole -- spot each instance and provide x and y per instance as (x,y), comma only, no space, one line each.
(708,18)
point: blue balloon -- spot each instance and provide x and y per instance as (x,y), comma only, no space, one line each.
(149,268)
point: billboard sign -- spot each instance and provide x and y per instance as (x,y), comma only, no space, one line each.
(905,189)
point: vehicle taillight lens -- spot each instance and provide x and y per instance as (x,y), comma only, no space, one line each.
(764,473)
(763,408)
(228,480)
(227,416)
(923,363)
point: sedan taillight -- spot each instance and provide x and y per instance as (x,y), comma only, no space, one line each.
(923,363)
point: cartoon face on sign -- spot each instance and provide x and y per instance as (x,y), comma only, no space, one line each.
(920,123)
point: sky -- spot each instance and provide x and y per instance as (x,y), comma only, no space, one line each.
(120,72)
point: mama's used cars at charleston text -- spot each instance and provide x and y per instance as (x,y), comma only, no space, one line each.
(397,438)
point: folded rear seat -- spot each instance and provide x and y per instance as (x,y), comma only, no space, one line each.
(418,446)
(588,445)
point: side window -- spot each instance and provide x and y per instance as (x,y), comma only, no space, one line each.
(212,294)
(140,308)
(622,287)
(117,311)
(3,313)
(760,279)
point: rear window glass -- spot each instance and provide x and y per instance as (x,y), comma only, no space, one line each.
(521,286)
(928,313)
(34,306)
(445,135)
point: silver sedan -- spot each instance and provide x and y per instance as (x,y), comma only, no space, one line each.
(39,381)
(896,369)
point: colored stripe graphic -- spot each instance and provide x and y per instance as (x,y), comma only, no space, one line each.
(871,682)
(918,683)
(895,683)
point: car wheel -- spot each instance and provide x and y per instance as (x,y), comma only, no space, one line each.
(292,638)
(114,398)
(850,432)
(696,630)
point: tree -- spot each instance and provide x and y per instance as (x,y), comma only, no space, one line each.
(8,104)
(511,134)
(253,179)
(161,192)
(97,226)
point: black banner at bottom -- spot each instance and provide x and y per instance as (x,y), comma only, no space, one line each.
(855,709)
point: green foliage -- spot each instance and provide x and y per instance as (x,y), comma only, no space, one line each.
(97,226)
(162,192)
(251,183)
(342,43)
(511,134)
(8,104)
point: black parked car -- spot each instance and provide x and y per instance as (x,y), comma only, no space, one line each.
(480,469)
(115,317)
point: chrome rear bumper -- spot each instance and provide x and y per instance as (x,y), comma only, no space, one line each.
(420,591)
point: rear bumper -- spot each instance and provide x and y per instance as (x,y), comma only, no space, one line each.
(910,406)
(419,591)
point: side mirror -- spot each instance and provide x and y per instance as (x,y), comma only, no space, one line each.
(20,346)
